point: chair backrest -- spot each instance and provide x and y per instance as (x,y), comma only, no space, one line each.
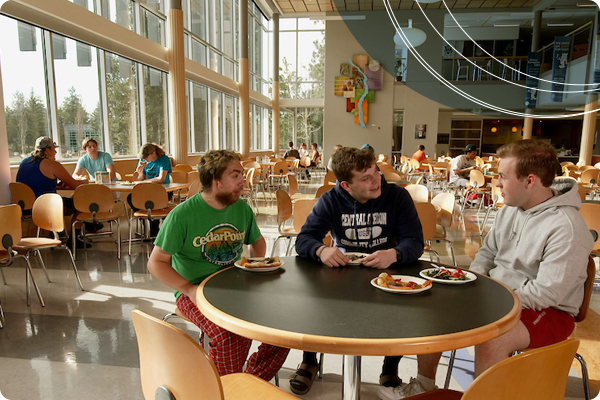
(118,176)
(305,161)
(479,161)
(564,163)
(586,167)
(149,196)
(581,191)
(252,164)
(179,176)
(540,373)
(171,358)
(295,165)
(382,158)
(414,164)
(476,178)
(192,176)
(392,176)
(323,189)
(419,193)
(22,195)
(446,202)
(497,194)
(427,217)
(194,188)
(329,177)
(10,228)
(588,289)
(293,183)
(93,198)
(302,207)
(250,178)
(47,213)
(284,206)
(182,167)
(280,168)
(588,174)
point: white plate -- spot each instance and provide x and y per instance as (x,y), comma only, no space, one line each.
(406,278)
(356,262)
(469,275)
(258,269)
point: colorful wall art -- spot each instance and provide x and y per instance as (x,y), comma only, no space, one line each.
(357,83)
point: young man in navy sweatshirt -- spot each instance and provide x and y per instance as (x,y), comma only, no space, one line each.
(364,214)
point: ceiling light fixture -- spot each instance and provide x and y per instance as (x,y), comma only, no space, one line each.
(338,18)
(506,24)
(514,129)
(415,36)
(556,24)
(494,129)
(586,5)
(427,1)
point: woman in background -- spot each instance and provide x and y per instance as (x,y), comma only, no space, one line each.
(154,165)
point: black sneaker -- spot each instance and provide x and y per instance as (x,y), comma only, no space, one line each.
(78,243)
(93,228)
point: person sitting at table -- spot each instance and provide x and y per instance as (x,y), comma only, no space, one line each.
(94,161)
(368,147)
(303,151)
(330,162)
(420,155)
(291,151)
(314,157)
(462,166)
(366,214)
(539,247)
(41,172)
(206,234)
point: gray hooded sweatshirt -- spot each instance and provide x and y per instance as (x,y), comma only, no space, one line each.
(540,253)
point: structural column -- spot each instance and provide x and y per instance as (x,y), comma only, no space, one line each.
(244,85)
(588,130)
(177,103)
(535,45)
(5,177)
(275,101)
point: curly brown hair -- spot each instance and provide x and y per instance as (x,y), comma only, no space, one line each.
(213,164)
(532,157)
(149,148)
(348,159)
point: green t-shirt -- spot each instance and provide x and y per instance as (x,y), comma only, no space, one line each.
(203,240)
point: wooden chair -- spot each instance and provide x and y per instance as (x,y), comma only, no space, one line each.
(392,176)
(95,204)
(10,234)
(153,203)
(591,215)
(292,185)
(323,189)
(248,193)
(478,186)
(192,176)
(182,167)
(279,174)
(251,164)
(174,364)
(419,193)
(23,196)
(284,213)
(47,214)
(329,177)
(497,203)
(194,188)
(301,209)
(427,217)
(444,218)
(540,373)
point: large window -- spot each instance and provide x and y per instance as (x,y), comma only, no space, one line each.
(261,133)
(301,125)
(302,58)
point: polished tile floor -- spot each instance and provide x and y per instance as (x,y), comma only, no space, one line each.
(82,344)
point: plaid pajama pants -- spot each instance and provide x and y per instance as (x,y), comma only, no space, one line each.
(229,351)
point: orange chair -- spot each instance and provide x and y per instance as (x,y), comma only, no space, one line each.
(152,200)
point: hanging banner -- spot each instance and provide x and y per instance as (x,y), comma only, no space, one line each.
(596,48)
(560,57)
(534,60)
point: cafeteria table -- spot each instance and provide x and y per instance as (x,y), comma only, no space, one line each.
(312,307)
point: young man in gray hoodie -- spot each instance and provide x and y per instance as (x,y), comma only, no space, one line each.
(539,247)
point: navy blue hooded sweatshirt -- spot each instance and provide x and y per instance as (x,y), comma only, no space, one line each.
(389,221)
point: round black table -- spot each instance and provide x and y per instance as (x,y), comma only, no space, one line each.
(312,307)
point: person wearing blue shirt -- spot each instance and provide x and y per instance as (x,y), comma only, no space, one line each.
(154,165)
(94,161)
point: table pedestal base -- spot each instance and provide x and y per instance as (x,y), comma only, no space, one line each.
(351,374)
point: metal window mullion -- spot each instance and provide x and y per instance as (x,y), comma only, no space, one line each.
(103,88)
(48,61)
(137,26)
(191,135)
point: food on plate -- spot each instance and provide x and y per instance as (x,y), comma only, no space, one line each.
(355,256)
(264,262)
(127,183)
(387,281)
(445,274)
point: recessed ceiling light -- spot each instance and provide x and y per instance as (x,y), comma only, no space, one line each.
(505,24)
(586,4)
(559,24)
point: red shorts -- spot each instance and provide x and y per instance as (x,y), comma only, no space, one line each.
(547,326)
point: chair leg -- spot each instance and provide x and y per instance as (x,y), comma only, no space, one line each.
(450,366)
(289,247)
(118,237)
(39,255)
(584,376)
(1,316)
(29,277)
(74,267)
(320,373)
(3,277)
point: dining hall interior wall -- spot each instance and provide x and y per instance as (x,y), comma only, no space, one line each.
(339,126)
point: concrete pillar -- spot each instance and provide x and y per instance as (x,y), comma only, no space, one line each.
(535,45)
(244,87)
(588,130)
(275,100)
(177,103)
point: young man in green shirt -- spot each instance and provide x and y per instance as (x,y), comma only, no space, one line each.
(204,235)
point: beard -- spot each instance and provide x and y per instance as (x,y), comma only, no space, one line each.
(227,199)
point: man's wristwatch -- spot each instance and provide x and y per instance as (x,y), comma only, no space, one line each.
(398,256)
